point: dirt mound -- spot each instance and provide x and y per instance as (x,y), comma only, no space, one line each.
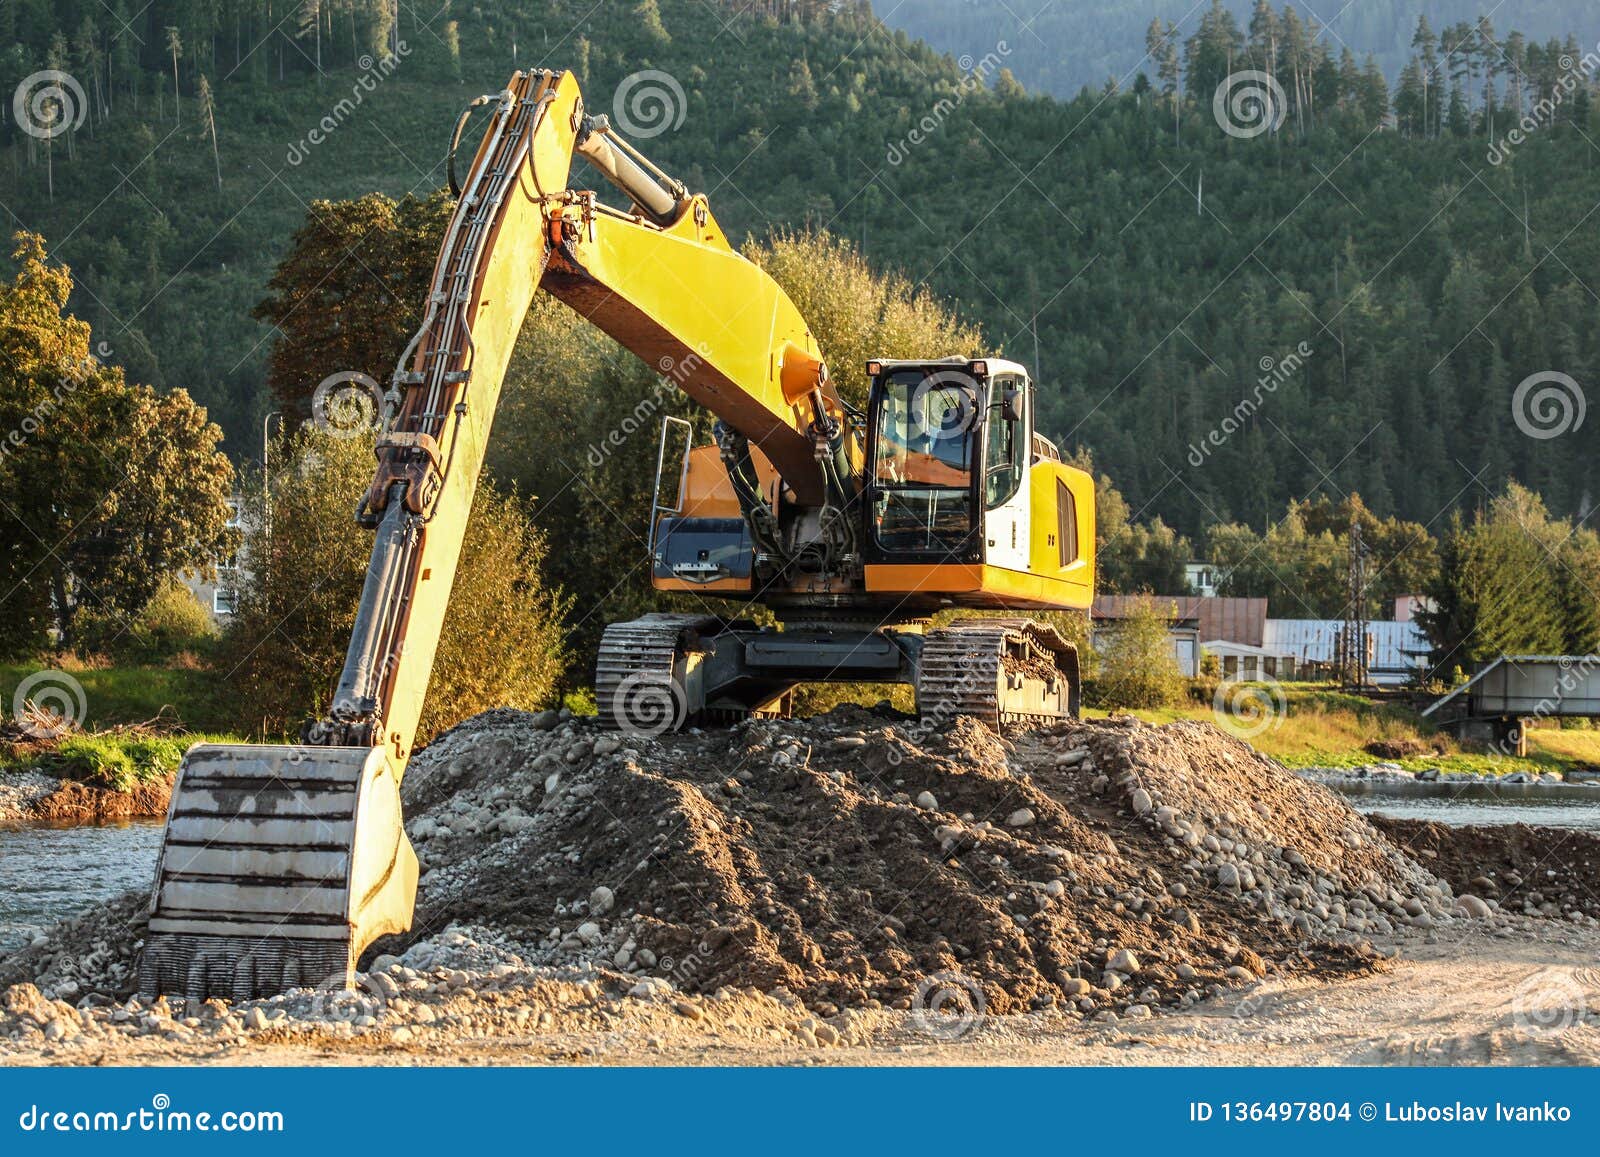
(855,860)
(1534,871)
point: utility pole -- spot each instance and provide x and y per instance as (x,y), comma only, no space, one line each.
(1353,641)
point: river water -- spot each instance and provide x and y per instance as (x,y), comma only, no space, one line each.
(50,872)
(1550,805)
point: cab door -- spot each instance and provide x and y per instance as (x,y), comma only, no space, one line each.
(1007,441)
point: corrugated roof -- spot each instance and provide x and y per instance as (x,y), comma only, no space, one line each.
(1313,641)
(1232,620)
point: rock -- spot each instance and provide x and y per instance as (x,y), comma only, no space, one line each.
(255,1019)
(1021,818)
(1228,876)
(601,901)
(545,721)
(401,1035)
(1141,801)
(1186,972)
(589,933)
(1075,986)
(826,1034)
(1239,972)
(687,1009)
(845,742)
(1137,1012)
(1072,758)
(928,802)
(1470,906)
(1124,961)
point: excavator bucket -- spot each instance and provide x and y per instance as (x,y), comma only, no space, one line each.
(280,865)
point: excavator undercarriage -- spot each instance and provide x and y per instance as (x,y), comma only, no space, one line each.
(662,672)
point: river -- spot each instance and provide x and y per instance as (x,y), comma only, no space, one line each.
(1549,805)
(50,872)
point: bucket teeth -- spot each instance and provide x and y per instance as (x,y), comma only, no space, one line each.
(279,866)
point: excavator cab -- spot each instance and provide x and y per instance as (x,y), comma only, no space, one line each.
(949,450)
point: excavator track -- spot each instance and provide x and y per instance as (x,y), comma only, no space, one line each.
(998,670)
(639,677)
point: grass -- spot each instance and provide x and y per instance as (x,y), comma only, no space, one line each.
(112,749)
(123,696)
(1321,726)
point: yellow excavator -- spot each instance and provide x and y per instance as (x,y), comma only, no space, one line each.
(281,864)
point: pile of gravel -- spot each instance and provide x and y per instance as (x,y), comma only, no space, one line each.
(855,862)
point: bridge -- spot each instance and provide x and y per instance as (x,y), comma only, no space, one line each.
(1505,694)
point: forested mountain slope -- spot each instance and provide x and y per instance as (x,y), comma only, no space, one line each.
(1393,285)
(1058,46)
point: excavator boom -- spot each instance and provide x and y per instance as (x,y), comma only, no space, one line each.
(281,864)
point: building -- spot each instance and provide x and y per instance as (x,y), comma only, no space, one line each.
(220,598)
(1201,578)
(1309,648)
(1196,623)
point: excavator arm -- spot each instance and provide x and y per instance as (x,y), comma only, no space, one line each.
(281,864)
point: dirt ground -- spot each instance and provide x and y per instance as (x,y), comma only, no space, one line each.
(1522,994)
(857,889)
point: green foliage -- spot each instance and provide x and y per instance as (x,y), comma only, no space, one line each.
(1145,302)
(502,638)
(171,624)
(106,488)
(114,760)
(1138,668)
(1512,581)
(124,696)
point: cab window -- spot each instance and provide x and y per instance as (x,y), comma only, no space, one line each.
(1006,442)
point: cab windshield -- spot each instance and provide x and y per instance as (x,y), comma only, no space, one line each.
(923,460)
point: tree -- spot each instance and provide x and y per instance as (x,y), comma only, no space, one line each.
(106,488)
(1138,668)
(349,294)
(208,116)
(175,47)
(1503,586)
(859,312)
(502,642)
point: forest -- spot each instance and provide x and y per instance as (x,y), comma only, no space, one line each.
(1102,38)
(1152,267)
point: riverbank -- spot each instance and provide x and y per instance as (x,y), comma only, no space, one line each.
(33,797)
